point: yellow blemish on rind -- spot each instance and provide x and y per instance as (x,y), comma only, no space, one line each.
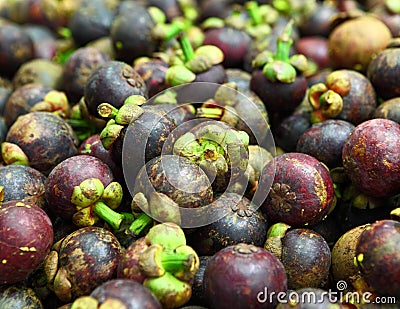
(32,249)
(4,261)
(19,204)
(320,189)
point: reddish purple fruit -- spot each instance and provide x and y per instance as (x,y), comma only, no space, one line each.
(302,189)
(244,276)
(378,257)
(371,157)
(25,240)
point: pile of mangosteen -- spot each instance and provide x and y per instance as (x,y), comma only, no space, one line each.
(199,154)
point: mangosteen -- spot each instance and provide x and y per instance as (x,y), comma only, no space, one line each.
(92,21)
(44,41)
(24,183)
(19,296)
(277,78)
(371,157)
(388,12)
(198,281)
(82,261)
(153,73)
(124,293)
(346,94)
(242,224)
(16,48)
(383,70)
(234,44)
(112,82)
(31,141)
(304,253)
(67,179)
(240,77)
(377,257)
(315,48)
(389,109)
(244,276)
(77,70)
(355,42)
(131,34)
(25,241)
(40,71)
(302,190)
(325,141)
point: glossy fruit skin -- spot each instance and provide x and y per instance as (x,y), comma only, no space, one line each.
(389,109)
(19,296)
(242,224)
(377,253)
(90,257)
(131,293)
(68,174)
(383,72)
(77,70)
(306,257)
(112,82)
(318,22)
(27,235)
(234,44)
(216,74)
(315,48)
(153,74)
(371,157)
(23,183)
(34,134)
(325,141)
(354,43)
(302,189)
(235,276)
(278,97)
(23,99)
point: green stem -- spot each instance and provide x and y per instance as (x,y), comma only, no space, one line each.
(254,12)
(284,43)
(112,217)
(210,112)
(106,110)
(173,29)
(186,47)
(173,262)
(140,224)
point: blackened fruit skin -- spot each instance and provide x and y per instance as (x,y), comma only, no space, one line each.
(242,224)
(378,257)
(23,183)
(90,257)
(383,72)
(325,141)
(302,189)
(25,241)
(68,174)
(198,281)
(153,73)
(16,48)
(131,293)
(77,70)
(112,82)
(281,98)
(23,99)
(360,103)
(371,157)
(19,296)
(389,109)
(306,257)
(236,275)
(45,138)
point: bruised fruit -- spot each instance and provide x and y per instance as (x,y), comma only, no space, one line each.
(371,157)
(378,257)
(302,189)
(25,241)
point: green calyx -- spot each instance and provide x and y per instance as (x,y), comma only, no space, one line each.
(278,230)
(93,201)
(128,112)
(110,133)
(55,102)
(168,234)
(280,67)
(13,154)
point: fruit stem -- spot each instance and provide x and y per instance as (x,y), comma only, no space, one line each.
(210,112)
(186,47)
(284,43)
(254,12)
(112,217)
(106,110)
(140,224)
